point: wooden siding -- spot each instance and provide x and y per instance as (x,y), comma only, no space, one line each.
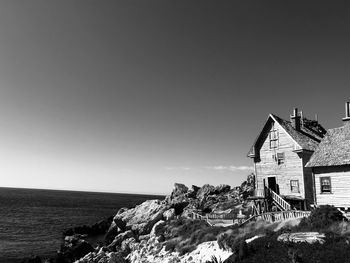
(308,179)
(291,169)
(340,186)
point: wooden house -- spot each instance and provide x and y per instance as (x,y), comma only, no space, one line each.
(330,165)
(280,153)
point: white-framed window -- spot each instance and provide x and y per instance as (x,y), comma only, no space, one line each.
(294,186)
(325,183)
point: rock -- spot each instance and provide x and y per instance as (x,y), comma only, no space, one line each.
(112,232)
(192,193)
(161,238)
(102,257)
(169,214)
(247,187)
(116,258)
(120,238)
(179,207)
(142,218)
(157,228)
(79,250)
(309,237)
(205,252)
(128,245)
(222,188)
(179,189)
(231,259)
(206,190)
(144,237)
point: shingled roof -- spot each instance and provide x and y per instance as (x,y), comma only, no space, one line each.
(308,137)
(334,149)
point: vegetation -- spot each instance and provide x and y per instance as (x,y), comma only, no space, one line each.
(321,218)
(184,235)
(326,219)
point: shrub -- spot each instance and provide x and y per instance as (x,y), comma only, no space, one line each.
(184,235)
(321,218)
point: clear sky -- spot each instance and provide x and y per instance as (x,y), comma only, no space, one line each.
(133,96)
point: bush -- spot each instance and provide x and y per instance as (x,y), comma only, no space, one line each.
(321,218)
(183,235)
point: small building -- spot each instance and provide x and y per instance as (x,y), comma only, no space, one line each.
(280,153)
(331,166)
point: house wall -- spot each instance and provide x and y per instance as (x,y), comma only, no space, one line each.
(340,186)
(308,179)
(292,169)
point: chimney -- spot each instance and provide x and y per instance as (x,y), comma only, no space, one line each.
(346,120)
(295,119)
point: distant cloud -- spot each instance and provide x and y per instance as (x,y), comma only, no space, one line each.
(230,168)
(183,168)
(215,167)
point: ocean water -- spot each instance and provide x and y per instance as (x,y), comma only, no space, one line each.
(32,220)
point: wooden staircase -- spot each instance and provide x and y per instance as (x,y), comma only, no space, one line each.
(278,200)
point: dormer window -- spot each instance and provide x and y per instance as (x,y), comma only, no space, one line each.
(273,136)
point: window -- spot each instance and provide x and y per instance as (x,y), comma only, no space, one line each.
(280,158)
(294,186)
(325,184)
(273,136)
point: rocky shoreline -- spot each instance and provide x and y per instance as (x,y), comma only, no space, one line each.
(139,234)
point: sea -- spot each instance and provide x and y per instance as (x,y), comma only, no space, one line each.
(32,220)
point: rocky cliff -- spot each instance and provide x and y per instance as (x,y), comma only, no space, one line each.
(146,232)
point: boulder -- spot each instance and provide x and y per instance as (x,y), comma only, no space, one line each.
(120,238)
(128,245)
(222,189)
(169,214)
(156,230)
(142,218)
(179,189)
(206,190)
(112,232)
(192,193)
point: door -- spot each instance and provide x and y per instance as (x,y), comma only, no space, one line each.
(271,183)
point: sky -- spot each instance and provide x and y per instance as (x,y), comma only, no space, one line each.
(133,96)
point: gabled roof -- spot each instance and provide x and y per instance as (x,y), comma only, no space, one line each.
(334,149)
(307,138)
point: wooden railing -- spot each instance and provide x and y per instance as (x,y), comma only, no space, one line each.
(278,216)
(259,193)
(279,200)
(212,216)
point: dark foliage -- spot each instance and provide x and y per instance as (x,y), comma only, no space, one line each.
(184,235)
(268,249)
(179,207)
(321,218)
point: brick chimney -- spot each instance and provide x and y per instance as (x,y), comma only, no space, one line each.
(295,119)
(346,120)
